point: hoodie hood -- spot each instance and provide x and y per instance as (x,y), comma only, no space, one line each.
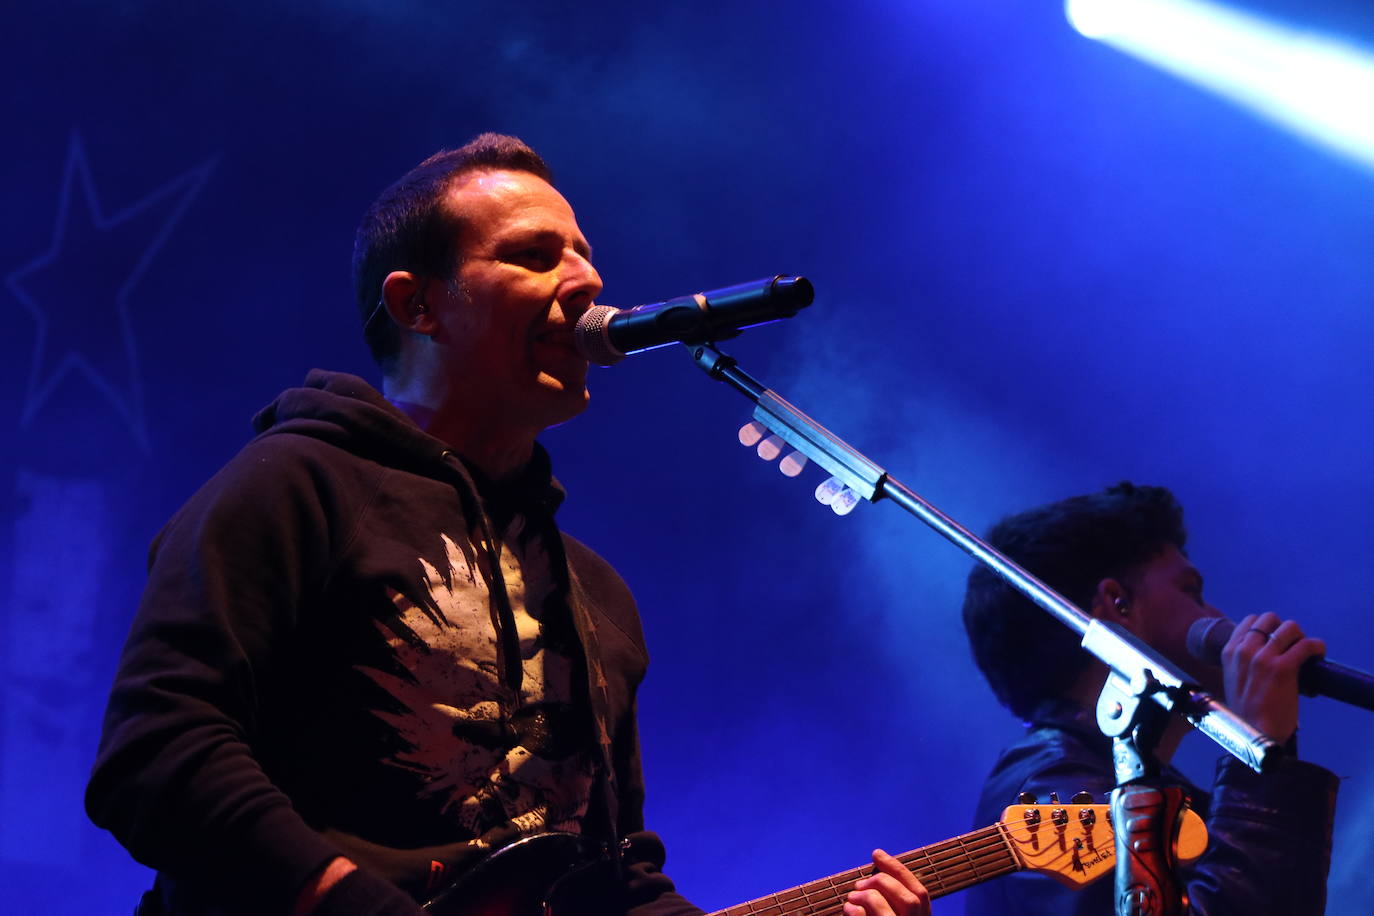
(346,411)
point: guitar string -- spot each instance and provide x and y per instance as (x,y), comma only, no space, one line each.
(830,901)
(987,839)
(976,847)
(979,843)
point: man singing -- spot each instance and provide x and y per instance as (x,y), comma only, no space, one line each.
(1119,556)
(366,656)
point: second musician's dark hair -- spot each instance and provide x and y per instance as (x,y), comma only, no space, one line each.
(409,228)
(1026,655)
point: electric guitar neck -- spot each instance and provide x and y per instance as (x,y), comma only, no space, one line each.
(559,874)
(1072,843)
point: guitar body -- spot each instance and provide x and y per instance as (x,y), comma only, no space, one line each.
(551,874)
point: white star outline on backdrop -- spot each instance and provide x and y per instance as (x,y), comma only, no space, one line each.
(46,372)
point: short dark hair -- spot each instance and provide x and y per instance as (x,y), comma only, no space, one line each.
(409,228)
(1071,545)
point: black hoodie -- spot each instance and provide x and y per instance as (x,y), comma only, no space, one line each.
(352,643)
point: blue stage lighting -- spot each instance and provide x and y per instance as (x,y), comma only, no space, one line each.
(1315,85)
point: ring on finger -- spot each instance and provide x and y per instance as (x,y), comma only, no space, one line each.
(1267,635)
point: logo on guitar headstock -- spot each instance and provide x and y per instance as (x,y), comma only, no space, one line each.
(1072,843)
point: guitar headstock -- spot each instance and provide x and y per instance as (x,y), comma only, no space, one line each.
(833,493)
(1071,842)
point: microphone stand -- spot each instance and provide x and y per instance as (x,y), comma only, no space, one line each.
(1144,816)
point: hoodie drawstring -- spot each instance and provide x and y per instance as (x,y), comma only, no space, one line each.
(512,666)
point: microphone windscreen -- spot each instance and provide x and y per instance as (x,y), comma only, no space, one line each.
(591,338)
(1207,636)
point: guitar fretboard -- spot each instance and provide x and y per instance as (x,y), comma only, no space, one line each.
(942,867)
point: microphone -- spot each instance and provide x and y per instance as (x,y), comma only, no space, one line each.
(1317,677)
(605,335)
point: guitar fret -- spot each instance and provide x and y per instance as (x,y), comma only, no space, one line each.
(976,872)
(983,854)
(963,849)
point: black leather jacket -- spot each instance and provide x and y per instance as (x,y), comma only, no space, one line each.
(1269,837)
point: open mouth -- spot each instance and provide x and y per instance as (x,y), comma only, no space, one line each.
(557,337)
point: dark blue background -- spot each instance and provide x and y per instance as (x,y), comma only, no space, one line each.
(1042,267)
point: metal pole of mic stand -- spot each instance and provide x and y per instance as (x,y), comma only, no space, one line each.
(1144,816)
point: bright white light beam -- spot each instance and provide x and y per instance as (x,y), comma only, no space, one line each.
(1315,85)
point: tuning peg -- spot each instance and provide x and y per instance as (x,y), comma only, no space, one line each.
(792,464)
(750,433)
(1082,797)
(1025,798)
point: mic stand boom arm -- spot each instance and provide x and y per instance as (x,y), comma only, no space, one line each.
(1134,663)
(1138,673)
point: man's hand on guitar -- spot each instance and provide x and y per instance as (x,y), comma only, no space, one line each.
(893,891)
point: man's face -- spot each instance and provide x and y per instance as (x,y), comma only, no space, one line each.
(506,318)
(1165,600)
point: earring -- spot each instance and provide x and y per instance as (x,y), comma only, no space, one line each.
(1121,606)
